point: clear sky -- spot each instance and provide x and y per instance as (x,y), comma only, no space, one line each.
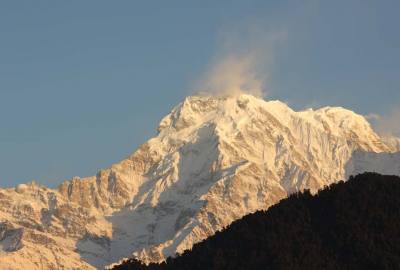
(83,83)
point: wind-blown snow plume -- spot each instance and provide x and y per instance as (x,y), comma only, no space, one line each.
(242,64)
(233,75)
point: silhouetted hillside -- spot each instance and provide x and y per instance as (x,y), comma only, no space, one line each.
(351,225)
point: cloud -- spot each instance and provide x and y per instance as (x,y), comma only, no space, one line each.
(372,117)
(387,124)
(242,63)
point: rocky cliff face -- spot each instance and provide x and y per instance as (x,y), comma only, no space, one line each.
(214,160)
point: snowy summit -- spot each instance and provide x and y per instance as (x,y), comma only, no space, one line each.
(213,160)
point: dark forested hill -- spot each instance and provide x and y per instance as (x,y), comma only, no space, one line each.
(349,225)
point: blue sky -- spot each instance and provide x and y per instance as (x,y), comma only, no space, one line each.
(83,83)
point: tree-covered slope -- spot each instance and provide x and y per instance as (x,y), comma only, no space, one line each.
(349,225)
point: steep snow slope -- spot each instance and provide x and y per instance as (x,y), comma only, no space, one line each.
(213,160)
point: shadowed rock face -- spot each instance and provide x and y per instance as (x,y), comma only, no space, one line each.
(214,160)
(10,238)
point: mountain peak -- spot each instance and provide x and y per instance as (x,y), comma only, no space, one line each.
(198,109)
(214,160)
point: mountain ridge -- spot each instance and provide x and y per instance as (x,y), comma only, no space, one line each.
(213,160)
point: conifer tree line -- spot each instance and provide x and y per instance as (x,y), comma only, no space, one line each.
(348,225)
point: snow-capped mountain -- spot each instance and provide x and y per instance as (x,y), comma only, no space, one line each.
(214,160)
